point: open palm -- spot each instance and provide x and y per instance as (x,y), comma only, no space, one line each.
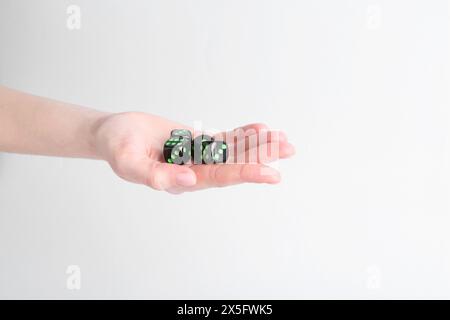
(132,144)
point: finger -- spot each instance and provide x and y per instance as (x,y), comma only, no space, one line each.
(163,176)
(255,127)
(231,174)
(249,133)
(264,153)
(253,138)
(276,139)
(241,132)
(286,150)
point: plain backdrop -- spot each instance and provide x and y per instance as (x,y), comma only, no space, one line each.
(362,87)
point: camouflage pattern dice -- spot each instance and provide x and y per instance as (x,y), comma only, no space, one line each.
(177,150)
(182,149)
(181,133)
(215,152)
(198,146)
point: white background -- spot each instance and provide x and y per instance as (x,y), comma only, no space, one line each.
(361,87)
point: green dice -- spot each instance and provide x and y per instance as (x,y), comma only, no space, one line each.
(182,149)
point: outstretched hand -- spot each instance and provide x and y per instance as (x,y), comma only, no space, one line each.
(132,144)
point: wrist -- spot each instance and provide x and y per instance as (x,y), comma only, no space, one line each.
(97,137)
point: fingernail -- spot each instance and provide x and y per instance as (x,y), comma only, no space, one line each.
(271,175)
(282,136)
(287,150)
(186,179)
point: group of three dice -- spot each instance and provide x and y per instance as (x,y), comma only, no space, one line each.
(204,149)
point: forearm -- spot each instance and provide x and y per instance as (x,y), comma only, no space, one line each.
(35,125)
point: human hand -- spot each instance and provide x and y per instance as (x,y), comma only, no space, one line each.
(132,144)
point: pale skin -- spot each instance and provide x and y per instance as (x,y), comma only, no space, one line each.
(131,142)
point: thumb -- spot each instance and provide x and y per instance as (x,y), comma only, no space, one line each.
(163,176)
